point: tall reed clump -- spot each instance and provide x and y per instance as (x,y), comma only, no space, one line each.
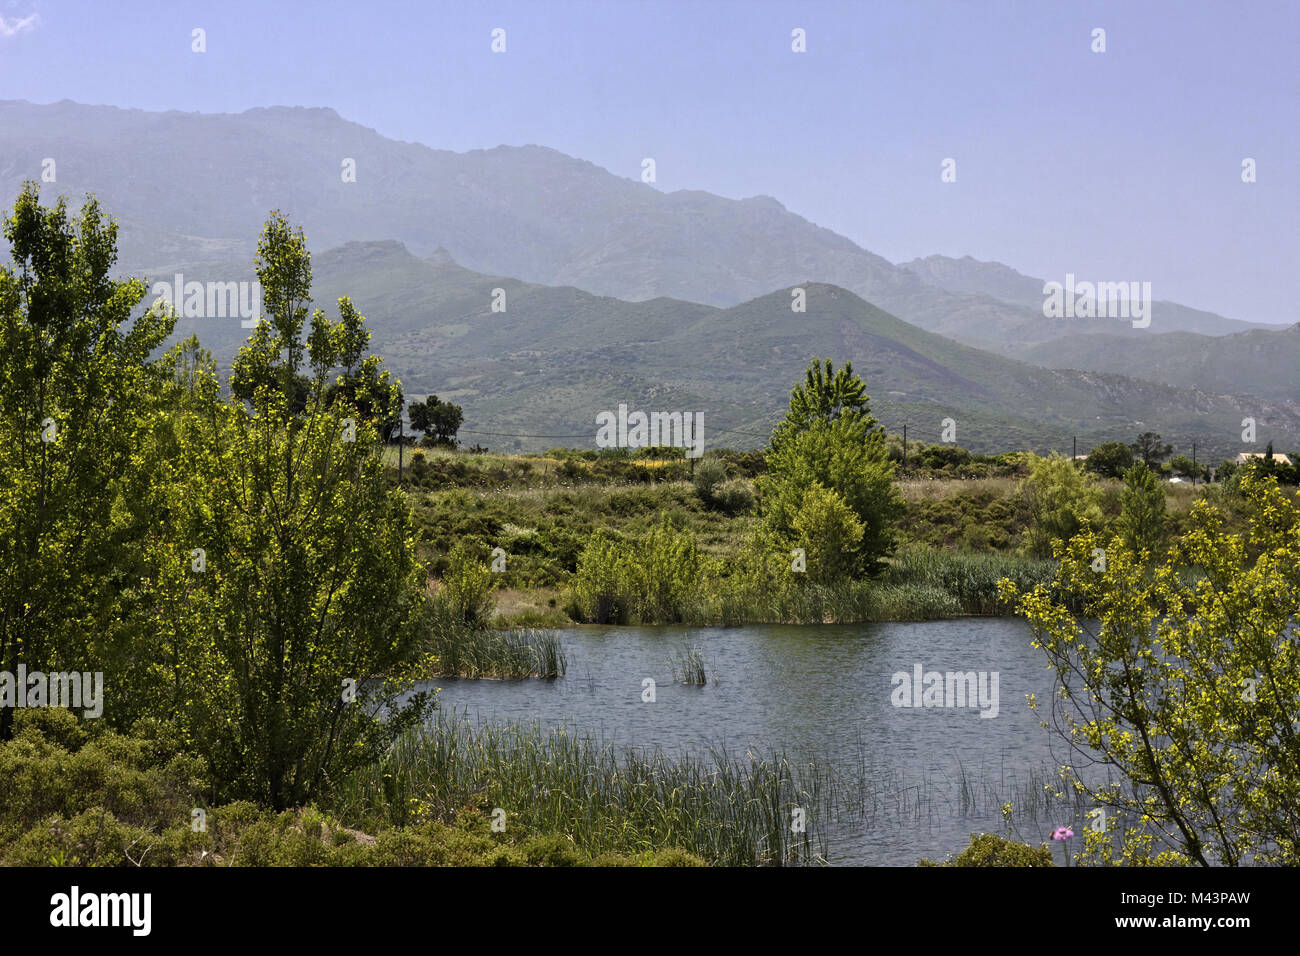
(508,655)
(456,649)
(729,812)
(688,666)
(970,579)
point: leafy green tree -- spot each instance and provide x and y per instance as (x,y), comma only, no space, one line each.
(1060,499)
(1185,694)
(829,438)
(825,396)
(1151,449)
(1184,467)
(1110,459)
(438,420)
(78,394)
(287,581)
(1142,521)
(829,533)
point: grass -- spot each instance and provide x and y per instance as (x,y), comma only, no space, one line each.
(727,811)
(969,579)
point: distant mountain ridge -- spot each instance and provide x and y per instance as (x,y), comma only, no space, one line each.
(194,189)
(969,276)
(537,373)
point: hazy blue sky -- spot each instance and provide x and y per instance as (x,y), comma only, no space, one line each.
(1115,166)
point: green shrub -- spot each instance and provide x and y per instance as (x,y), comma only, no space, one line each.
(989,849)
(826,528)
(734,496)
(467,586)
(709,473)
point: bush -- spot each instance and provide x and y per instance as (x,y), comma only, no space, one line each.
(467,587)
(989,849)
(602,591)
(709,473)
(649,581)
(829,533)
(734,497)
(1061,500)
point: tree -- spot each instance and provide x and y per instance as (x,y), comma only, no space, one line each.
(1184,698)
(1060,499)
(825,397)
(438,420)
(1150,449)
(1110,459)
(78,394)
(287,585)
(829,438)
(1141,521)
(1184,467)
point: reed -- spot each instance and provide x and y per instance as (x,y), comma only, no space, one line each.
(734,812)
(477,652)
(688,666)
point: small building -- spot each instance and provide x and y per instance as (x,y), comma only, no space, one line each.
(1246,457)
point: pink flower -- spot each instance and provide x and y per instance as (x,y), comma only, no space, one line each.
(1062,833)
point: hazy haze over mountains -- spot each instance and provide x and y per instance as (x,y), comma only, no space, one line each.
(202,192)
(618,291)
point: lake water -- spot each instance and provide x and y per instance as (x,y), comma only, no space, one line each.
(826,693)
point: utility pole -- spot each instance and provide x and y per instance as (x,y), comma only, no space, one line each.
(1074,455)
(1193,464)
(401,439)
(904,446)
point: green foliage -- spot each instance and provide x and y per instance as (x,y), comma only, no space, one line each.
(829,438)
(285,574)
(467,586)
(78,408)
(438,420)
(1186,690)
(1150,449)
(989,849)
(1184,467)
(602,586)
(1061,500)
(1110,459)
(459,650)
(709,473)
(1142,520)
(829,533)
(648,581)
(971,581)
(734,496)
(726,811)
(80,794)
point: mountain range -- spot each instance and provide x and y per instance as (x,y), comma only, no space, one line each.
(617,291)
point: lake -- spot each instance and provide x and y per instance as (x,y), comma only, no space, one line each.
(927,777)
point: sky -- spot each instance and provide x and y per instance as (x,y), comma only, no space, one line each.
(1123,165)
